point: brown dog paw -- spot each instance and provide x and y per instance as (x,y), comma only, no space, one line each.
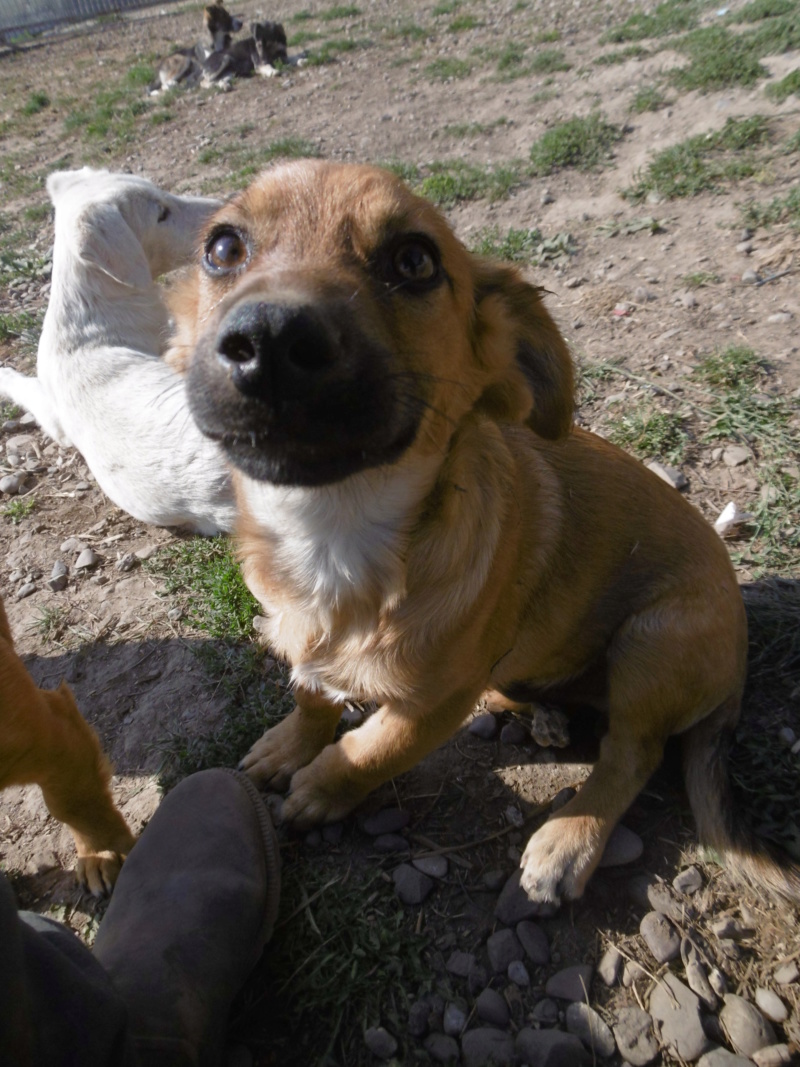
(559,859)
(98,871)
(282,751)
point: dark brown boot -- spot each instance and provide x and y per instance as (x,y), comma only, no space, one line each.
(191,912)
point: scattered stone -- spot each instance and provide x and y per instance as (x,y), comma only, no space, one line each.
(624,846)
(147,552)
(126,563)
(518,974)
(633,1032)
(622,309)
(545,1012)
(780,317)
(745,1027)
(42,861)
(391,843)
(642,295)
(418,1014)
(484,726)
(633,972)
(502,947)
(28,419)
(574,282)
(81,487)
(562,798)
(514,904)
(514,816)
(460,964)
(717,981)
(549,727)
(745,246)
(442,1048)
(688,881)
(487,1045)
(493,880)
(586,1024)
(59,583)
(10,426)
(411,885)
(492,1008)
(514,733)
(676,1011)
(477,979)
(454,1020)
(771,1005)
(332,832)
(547,198)
(720,1057)
(11,483)
(663,899)
(660,936)
(610,966)
(433,866)
(26,590)
(669,475)
(571,983)
(73,544)
(534,941)
(174,614)
(388,821)
(87,558)
(787,972)
(689,300)
(735,455)
(696,976)
(551,1048)
(773,1056)
(380,1042)
(787,736)
(749,277)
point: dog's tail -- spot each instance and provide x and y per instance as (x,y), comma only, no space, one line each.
(705,767)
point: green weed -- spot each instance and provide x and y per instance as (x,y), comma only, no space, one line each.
(409,31)
(779,209)
(549,61)
(584,143)
(332,49)
(649,433)
(454,181)
(718,59)
(339,11)
(36,102)
(464,22)
(648,98)
(757,10)
(23,326)
(673,16)
(699,279)
(633,51)
(447,7)
(19,508)
(49,622)
(547,37)
(446,67)
(788,86)
(521,246)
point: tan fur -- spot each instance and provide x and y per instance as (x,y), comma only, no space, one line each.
(503,549)
(45,740)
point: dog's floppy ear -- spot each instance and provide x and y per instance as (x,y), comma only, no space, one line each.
(107,242)
(516,336)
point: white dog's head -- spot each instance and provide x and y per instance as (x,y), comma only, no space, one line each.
(124,225)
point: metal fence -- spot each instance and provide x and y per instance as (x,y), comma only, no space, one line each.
(18,17)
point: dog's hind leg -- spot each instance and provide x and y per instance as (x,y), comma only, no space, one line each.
(28,393)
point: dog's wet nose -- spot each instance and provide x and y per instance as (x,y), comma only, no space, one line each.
(274,348)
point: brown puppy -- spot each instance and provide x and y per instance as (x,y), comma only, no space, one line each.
(421,522)
(44,740)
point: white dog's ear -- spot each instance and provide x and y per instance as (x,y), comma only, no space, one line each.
(106,241)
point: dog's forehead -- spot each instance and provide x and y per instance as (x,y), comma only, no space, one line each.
(320,206)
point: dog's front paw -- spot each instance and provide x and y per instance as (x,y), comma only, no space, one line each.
(98,871)
(560,858)
(324,791)
(285,748)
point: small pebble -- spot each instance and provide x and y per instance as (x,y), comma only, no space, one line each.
(147,552)
(624,846)
(518,974)
(58,584)
(442,1048)
(720,1057)
(787,736)
(571,983)
(411,886)
(633,972)
(670,475)
(787,972)
(660,936)
(676,1008)
(773,1056)
(610,966)
(688,881)
(388,821)
(749,277)
(514,733)
(391,843)
(534,941)
(728,927)
(717,981)
(492,1008)
(380,1043)
(454,1019)
(547,198)
(73,544)
(503,947)
(126,563)
(587,1025)
(433,866)
(634,1036)
(485,1045)
(494,880)
(771,1005)
(87,558)
(745,1027)
(780,317)
(545,1012)
(460,964)
(484,726)
(26,590)
(11,483)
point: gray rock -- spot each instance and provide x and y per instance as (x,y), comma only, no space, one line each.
(745,1027)
(660,936)
(773,1056)
(676,1011)
(670,475)
(380,1042)
(73,544)
(729,928)
(534,942)
(486,1045)
(638,888)
(587,1025)
(493,880)
(26,590)
(59,584)
(503,947)
(442,1048)
(391,843)
(549,727)
(624,846)
(86,559)
(633,1032)
(787,973)
(720,1057)
(492,1008)
(126,563)
(418,1014)
(717,981)
(610,966)
(736,455)
(688,881)
(518,974)
(633,972)
(663,899)
(411,885)
(454,1019)
(514,904)
(28,419)
(477,979)
(697,980)
(59,569)
(460,964)
(484,726)
(562,797)
(571,983)
(749,277)
(514,733)
(146,552)
(545,1012)
(551,1048)
(775,317)
(433,866)
(388,821)
(11,483)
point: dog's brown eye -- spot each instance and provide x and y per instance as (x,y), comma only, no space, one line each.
(414,262)
(225,251)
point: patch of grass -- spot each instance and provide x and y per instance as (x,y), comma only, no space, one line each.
(718,59)
(139,75)
(736,365)
(302,16)
(549,61)
(297,40)
(332,49)
(409,31)
(9,411)
(445,68)
(649,433)
(584,143)
(49,622)
(511,57)
(547,37)
(446,7)
(339,11)
(36,102)
(788,86)
(110,118)
(37,213)
(474,129)
(673,16)
(648,98)
(244,162)
(22,326)
(521,246)
(633,51)
(702,162)
(450,182)
(206,574)
(19,508)
(757,10)
(779,209)
(700,278)
(464,22)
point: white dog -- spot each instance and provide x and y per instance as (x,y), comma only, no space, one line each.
(101,384)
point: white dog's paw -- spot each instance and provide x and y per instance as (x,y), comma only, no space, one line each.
(559,859)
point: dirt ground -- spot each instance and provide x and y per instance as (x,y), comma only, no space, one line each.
(646,291)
